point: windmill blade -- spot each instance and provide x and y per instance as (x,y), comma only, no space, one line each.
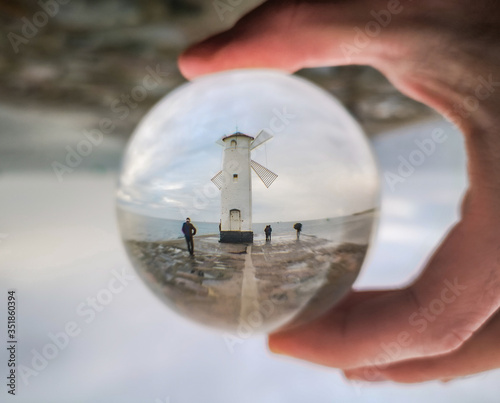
(265,175)
(220,142)
(260,139)
(218,179)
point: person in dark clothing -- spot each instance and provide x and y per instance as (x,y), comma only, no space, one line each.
(298,228)
(448,60)
(268,231)
(189,230)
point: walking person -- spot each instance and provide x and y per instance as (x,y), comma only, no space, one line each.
(298,228)
(189,230)
(447,59)
(268,231)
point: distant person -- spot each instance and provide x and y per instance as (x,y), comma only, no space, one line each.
(268,231)
(447,59)
(189,231)
(298,228)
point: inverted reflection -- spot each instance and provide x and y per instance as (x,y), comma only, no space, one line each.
(247,200)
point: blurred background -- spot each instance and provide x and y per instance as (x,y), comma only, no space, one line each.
(68,70)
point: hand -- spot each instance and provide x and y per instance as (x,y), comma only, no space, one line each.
(445,54)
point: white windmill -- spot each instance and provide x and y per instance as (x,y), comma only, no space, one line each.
(235,183)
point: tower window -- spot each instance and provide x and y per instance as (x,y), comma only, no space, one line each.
(234,143)
(235,178)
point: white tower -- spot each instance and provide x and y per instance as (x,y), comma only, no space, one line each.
(235,183)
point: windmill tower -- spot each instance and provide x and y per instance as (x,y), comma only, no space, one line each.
(235,183)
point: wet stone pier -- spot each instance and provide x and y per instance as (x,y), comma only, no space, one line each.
(260,286)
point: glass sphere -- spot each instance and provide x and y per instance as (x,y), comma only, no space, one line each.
(282,193)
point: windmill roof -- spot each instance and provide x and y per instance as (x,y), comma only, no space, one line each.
(237,134)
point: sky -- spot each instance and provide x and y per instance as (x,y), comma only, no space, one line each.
(324,164)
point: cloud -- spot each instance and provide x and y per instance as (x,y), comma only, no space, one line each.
(324,164)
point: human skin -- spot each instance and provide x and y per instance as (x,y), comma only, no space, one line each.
(439,53)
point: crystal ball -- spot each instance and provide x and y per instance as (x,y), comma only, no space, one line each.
(247,200)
